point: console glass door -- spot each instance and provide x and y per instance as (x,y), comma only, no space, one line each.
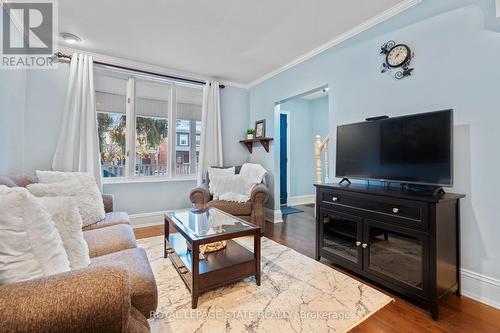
(342,236)
(395,254)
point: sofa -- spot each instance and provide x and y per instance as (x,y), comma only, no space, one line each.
(116,293)
(252,211)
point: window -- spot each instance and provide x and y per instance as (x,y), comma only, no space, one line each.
(134,125)
(182,139)
(151,128)
(188,129)
(111,106)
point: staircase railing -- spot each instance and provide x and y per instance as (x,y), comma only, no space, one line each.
(319,147)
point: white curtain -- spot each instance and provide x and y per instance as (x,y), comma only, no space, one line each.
(78,144)
(211,131)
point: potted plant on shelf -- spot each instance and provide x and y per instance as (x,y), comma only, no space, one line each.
(250,133)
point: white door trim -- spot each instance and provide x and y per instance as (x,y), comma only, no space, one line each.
(288,133)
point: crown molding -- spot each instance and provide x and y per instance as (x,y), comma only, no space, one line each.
(393,11)
(147,67)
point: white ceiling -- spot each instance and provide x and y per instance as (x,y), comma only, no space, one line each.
(232,40)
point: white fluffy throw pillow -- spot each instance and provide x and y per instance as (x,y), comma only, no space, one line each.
(86,193)
(30,246)
(218,172)
(65,214)
(46,177)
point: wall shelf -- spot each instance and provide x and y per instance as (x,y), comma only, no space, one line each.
(263,141)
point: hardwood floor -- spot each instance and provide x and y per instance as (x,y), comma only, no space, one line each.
(146,232)
(457,314)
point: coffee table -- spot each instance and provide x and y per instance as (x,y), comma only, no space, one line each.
(202,226)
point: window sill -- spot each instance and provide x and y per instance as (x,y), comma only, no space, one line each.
(123,180)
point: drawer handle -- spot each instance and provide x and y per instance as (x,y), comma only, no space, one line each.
(395,210)
(358,243)
(335,199)
(364,245)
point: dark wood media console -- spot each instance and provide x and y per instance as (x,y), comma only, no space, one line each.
(407,242)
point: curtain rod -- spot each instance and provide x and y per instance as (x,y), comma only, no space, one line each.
(61,55)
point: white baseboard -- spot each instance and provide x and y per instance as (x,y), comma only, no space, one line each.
(302,200)
(481,288)
(147,219)
(274,215)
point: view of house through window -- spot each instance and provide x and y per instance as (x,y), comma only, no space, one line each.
(151,125)
(111,106)
(188,129)
(145,148)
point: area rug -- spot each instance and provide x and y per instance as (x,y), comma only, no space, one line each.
(290,210)
(297,294)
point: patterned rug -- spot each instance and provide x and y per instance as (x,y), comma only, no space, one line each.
(297,294)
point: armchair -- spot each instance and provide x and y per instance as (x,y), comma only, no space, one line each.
(253,210)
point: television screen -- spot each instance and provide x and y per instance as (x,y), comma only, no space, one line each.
(415,149)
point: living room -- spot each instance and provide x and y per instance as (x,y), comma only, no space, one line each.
(167,237)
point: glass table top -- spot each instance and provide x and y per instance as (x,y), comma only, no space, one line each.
(204,223)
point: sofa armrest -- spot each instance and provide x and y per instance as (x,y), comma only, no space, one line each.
(93,299)
(200,196)
(107,199)
(260,194)
(259,197)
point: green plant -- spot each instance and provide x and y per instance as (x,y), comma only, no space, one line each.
(250,131)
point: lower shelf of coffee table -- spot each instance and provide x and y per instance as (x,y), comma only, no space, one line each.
(218,268)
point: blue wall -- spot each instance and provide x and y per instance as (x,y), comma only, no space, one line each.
(457,65)
(307,118)
(12,101)
(12,104)
(319,108)
(31,105)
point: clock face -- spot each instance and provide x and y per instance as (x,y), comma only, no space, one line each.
(398,55)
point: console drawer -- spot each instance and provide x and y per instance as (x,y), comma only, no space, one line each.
(411,213)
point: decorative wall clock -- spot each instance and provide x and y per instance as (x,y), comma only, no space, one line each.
(397,56)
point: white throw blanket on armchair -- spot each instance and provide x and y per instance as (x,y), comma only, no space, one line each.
(237,188)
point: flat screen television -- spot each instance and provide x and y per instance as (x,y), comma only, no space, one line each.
(414,149)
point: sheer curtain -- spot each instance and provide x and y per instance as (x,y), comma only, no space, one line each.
(78,144)
(211,131)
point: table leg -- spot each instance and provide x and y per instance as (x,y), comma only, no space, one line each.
(434,310)
(195,271)
(256,251)
(166,234)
